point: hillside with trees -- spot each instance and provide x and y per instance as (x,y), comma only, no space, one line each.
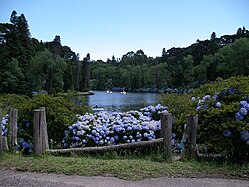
(29,65)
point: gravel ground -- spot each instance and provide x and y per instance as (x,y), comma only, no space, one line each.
(27,179)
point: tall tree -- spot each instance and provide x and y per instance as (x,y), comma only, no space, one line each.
(85,82)
(213,36)
(164,53)
(12,81)
(234,58)
(24,42)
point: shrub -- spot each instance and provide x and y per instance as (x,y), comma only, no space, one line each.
(223,121)
(60,113)
(8,101)
(179,105)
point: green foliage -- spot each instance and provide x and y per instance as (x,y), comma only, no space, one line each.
(234,58)
(8,101)
(215,121)
(179,105)
(60,113)
(222,85)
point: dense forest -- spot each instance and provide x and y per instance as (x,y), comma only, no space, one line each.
(29,65)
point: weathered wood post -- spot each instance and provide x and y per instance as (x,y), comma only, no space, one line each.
(192,122)
(5,143)
(37,130)
(12,134)
(166,126)
(45,145)
(40,131)
(1,140)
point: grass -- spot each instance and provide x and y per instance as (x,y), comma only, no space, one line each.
(128,167)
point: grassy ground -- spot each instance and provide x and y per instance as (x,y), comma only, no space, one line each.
(122,167)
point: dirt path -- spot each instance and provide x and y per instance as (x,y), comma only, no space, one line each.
(27,179)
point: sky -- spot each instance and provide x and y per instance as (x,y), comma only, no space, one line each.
(105,28)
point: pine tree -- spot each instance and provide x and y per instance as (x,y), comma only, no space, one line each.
(213,36)
(164,53)
(85,83)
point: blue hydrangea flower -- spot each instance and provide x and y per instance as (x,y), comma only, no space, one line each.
(205,106)
(243,104)
(244,135)
(227,133)
(243,111)
(239,116)
(206,97)
(116,137)
(218,104)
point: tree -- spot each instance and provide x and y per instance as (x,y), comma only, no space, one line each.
(136,75)
(201,70)
(234,58)
(188,72)
(12,81)
(46,72)
(114,60)
(13,17)
(213,36)
(85,82)
(39,68)
(164,53)
(56,46)
(24,39)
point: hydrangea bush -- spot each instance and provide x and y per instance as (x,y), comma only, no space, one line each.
(102,129)
(223,118)
(24,142)
(4,125)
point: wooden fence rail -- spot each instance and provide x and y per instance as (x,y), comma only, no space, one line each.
(108,148)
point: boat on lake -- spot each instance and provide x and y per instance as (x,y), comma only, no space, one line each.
(123,92)
(97,109)
(109,91)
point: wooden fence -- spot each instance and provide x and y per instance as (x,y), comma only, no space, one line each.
(41,137)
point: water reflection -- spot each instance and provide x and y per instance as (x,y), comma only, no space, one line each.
(121,102)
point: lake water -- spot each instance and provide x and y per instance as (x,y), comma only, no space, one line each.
(121,102)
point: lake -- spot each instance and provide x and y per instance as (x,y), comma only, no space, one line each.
(121,102)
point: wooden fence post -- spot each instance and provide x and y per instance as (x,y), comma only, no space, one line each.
(5,143)
(192,122)
(45,145)
(166,126)
(40,131)
(37,130)
(12,134)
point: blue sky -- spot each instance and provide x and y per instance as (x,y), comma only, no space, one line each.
(114,27)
